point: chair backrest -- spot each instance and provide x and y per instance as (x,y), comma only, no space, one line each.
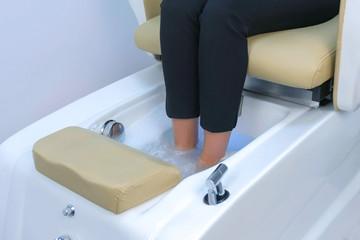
(347,71)
(152,8)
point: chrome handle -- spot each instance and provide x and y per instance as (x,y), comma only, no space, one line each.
(215,177)
(216,192)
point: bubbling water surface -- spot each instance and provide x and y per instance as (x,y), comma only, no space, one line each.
(187,160)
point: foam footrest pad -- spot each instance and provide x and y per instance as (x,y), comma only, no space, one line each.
(106,172)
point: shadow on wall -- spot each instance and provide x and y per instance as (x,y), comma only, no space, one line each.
(54,52)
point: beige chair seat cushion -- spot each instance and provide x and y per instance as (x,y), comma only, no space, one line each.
(301,58)
(106,172)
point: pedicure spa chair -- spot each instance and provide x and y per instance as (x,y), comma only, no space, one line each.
(104,167)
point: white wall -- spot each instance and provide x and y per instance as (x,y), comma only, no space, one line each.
(54,52)
(138,8)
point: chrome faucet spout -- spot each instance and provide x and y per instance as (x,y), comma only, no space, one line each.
(112,129)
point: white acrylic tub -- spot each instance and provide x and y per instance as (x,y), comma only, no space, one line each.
(290,166)
(148,129)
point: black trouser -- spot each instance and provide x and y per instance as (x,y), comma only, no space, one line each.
(205,55)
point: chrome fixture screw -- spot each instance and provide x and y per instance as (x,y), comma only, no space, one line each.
(69,211)
(63,238)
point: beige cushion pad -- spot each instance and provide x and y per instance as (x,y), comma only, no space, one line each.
(301,58)
(106,172)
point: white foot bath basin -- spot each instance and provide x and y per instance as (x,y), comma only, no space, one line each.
(288,166)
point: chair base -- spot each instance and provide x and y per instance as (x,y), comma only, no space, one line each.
(315,97)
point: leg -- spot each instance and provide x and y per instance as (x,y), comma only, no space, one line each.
(223,55)
(223,58)
(223,63)
(185,132)
(214,148)
(179,36)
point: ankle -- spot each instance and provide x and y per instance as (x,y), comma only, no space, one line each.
(209,160)
(185,145)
